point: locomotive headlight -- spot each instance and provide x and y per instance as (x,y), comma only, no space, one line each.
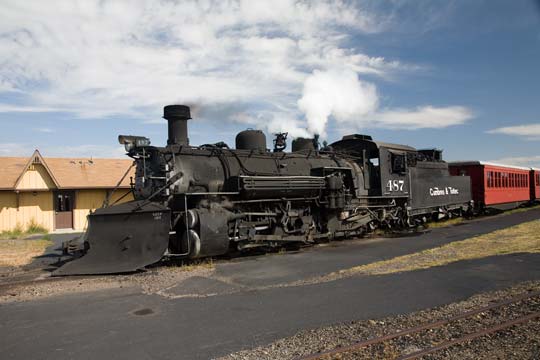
(129,146)
(131,142)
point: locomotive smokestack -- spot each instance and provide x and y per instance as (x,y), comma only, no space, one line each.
(177,117)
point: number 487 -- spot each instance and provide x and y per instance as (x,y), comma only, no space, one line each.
(395,185)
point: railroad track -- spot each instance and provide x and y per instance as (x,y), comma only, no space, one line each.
(339,351)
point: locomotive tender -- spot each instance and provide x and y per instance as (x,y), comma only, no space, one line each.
(199,201)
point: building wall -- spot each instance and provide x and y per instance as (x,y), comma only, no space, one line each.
(36,206)
(86,200)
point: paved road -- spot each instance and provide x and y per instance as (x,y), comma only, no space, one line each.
(105,324)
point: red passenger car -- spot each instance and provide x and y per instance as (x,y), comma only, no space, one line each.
(495,185)
(534,179)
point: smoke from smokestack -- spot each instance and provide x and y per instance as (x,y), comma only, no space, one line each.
(337,93)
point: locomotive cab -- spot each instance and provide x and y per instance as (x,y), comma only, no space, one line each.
(385,166)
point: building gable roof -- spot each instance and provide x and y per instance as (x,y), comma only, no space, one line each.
(69,173)
(36,158)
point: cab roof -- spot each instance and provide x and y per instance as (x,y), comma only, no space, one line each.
(348,142)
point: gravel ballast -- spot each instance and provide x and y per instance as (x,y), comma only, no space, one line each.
(518,342)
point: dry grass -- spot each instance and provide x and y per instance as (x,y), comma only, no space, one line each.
(523,238)
(15,233)
(14,251)
(21,252)
(35,228)
(521,209)
(458,220)
(189,264)
(444,223)
(19,233)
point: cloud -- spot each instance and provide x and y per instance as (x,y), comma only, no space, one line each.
(7,108)
(103,58)
(86,150)
(423,117)
(288,65)
(529,132)
(44,130)
(15,149)
(532,161)
(275,122)
(83,150)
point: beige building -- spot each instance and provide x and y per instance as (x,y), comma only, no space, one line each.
(58,193)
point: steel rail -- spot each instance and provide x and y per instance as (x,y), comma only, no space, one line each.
(416,329)
(472,336)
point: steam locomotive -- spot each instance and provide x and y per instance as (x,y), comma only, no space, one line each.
(200,201)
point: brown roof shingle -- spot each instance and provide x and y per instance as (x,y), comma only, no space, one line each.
(10,170)
(84,173)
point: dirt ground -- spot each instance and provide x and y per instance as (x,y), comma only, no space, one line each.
(149,282)
(20,252)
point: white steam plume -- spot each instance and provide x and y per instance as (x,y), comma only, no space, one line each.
(337,93)
(354,104)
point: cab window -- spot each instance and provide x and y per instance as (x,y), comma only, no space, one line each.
(398,163)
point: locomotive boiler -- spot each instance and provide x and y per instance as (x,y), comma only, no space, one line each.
(200,201)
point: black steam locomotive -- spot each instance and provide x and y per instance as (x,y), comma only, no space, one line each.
(198,201)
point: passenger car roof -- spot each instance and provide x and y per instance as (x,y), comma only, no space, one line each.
(483,163)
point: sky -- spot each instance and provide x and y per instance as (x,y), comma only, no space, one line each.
(459,75)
